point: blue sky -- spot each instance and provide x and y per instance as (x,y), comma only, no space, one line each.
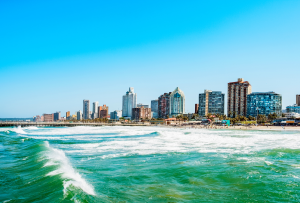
(54,54)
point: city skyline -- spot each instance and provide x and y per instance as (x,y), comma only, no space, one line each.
(194,45)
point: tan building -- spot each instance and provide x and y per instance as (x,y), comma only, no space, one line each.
(196,108)
(48,117)
(67,114)
(298,99)
(237,97)
(141,113)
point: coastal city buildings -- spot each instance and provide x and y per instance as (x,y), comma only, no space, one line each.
(79,115)
(141,113)
(56,116)
(48,117)
(264,103)
(298,99)
(164,105)
(86,109)
(128,102)
(211,102)
(116,115)
(154,108)
(177,102)
(237,97)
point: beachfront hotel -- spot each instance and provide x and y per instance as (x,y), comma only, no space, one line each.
(264,103)
(237,97)
(177,102)
(211,102)
(129,102)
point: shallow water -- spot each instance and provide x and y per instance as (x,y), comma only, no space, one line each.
(148,164)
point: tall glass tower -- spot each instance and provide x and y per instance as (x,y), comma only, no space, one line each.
(129,102)
(177,102)
(86,109)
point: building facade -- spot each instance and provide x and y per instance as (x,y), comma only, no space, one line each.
(141,113)
(48,117)
(79,115)
(68,115)
(264,103)
(196,108)
(56,116)
(237,97)
(298,99)
(95,109)
(293,109)
(128,102)
(86,109)
(154,108)
(211,102)
(104,111)
(164,105)
(116,115)
(177,102)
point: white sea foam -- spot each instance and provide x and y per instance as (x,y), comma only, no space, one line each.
(71,176)
(19,130)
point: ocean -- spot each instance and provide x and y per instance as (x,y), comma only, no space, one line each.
(148,164)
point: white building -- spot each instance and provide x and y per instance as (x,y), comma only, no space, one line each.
(129,102)
(86,109)
(115,115)
(95,110)
(79,115)
(177,102)
(292,115)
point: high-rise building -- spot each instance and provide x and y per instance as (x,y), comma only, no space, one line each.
(177,102)
(237,97)
(129,102)
(298,99)
(142,105)
(56,116)
(104,111)
(141,113)
(196,108)
(95,109)
(116,115)
(154,108)
(67,114)
(79,115)
(48,117)
(264,103)
(86,109)
(211,102)
(164,105)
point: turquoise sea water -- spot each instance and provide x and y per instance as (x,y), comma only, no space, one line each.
(148,164)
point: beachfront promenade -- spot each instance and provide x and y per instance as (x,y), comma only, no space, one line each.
(62,124)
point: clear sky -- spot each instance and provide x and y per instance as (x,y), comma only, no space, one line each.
(54,54)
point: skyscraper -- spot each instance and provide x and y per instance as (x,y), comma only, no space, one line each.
(164,105)
(95,107)
(79,115)
(237,97)
(129,102)
(154,108)
(67,114)
(86,109)
(211,102)
(177,102)
(56,116)
(264,103)
(298,99)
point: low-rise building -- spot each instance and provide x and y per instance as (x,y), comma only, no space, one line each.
(56,116)
(293,109)
(115,115)
(79,115)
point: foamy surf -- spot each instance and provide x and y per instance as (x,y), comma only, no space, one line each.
(72,177)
